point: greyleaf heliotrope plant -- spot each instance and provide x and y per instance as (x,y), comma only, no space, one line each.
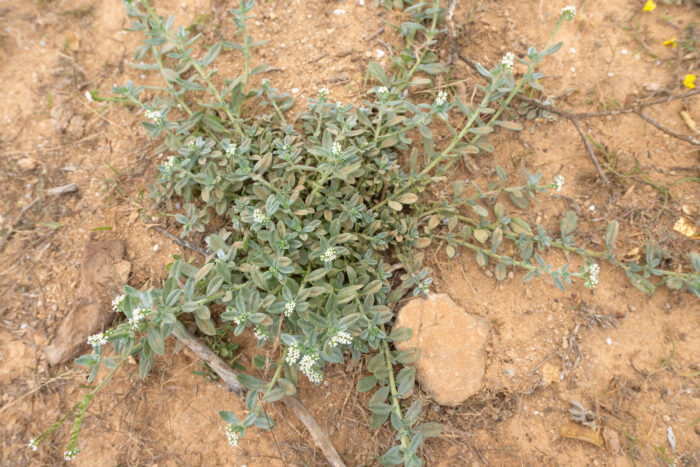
(320,216)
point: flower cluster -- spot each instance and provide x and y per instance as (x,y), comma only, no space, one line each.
(259,217)
(170,163)
(293,353)
(508,61)
(154,115)
(232,435)
(307,366)
(97,339)
(136,316)
(231,151)
(241,318)
(289,308)
(323,94)
(337,150)
(568,12)
(329,255)
(558,183)
(441,99)
(383,93)
(592,276)
(117,303)
(261,333)
(71,453)
(341,338)
(33,444)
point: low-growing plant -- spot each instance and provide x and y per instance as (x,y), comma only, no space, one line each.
(321,216)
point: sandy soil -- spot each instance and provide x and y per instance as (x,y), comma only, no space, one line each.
(630,359)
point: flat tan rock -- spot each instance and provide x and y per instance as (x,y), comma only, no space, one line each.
(102,271)
(451,341)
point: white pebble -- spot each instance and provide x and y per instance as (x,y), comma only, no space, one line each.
(155,247)
(572,50)
(573,70)
(379,53)
(591,208)
(361,2)
(623,51)
(295,90)
(608,341)
(339,11)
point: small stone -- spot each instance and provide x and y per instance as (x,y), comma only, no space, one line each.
(27,163)
(451,342)
(632,308)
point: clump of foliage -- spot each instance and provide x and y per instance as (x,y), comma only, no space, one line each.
(322,215)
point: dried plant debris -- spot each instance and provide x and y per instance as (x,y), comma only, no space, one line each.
(593,318)
(582,415)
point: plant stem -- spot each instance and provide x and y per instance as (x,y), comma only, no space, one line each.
(394,393)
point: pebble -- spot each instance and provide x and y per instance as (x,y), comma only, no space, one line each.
(608,341)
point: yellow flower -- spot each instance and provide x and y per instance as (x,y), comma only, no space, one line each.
(650,5)
(689,81)
(671,42)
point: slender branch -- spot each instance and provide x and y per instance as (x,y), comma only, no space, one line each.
(182,242)
(659,126)
(589,150)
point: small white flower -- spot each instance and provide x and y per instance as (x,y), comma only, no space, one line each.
(88,96)
(259,217)
(240,319)
(568,12)
(592,276)
(323,94)
(329,255)
(306,365)
(337,150)
(154,115)
(441,99)
(136,316)
(289,308)
(508,61)
(32,444)
(170,163)
(232,436)
(97,339)
(341,338)
(558,182)
(71,453)
(231,151)
(383,93)
(117,303)
(315,377)
(261,333)
(293,353)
